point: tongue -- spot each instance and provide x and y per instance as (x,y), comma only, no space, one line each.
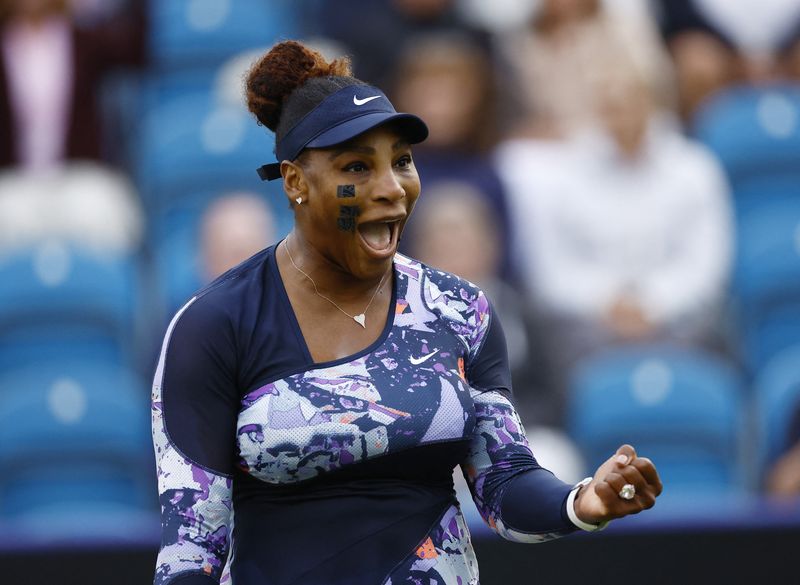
(377,235)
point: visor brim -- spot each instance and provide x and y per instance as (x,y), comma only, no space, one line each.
(409,126)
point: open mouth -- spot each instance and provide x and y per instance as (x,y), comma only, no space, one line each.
(380,237)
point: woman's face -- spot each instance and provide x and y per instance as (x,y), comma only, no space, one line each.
(447,92)
(357,198)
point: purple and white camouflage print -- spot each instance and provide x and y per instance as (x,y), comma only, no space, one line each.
(319,420)
(196,506)
(408,391)
(445,556)
(499,437)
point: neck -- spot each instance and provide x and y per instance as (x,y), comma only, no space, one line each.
(331,278)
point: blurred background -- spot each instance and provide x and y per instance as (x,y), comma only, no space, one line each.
(622,177)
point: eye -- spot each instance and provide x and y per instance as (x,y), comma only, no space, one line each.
(355,167)
(404,161)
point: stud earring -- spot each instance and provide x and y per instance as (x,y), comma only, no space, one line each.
(299,200)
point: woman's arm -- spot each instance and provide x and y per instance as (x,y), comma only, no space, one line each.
(517,497)
(194,413)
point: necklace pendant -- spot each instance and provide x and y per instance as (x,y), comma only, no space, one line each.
(361,320)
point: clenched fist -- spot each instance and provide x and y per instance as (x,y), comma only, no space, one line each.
(600,500)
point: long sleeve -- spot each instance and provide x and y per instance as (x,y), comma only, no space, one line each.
(193,415)
(518,499)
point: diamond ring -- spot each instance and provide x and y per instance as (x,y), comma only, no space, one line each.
(627,492)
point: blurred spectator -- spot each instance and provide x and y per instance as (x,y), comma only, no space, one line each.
(82,203)
(447,79)
(498,16)
(375,48)
(198,245)
(623,235)
(784,477)
(50,73)
(570,46)
(204,244)
(234,227)
(715,43)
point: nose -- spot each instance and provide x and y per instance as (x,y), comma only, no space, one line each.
(388,186)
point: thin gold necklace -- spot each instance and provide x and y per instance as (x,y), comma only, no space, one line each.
(361,318)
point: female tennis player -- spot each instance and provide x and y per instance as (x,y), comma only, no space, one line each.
(310,405)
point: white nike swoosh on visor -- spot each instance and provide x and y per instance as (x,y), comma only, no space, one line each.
(419,360)
(359,102)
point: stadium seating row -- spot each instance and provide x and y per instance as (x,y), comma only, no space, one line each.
(755,132)
(689,411)
(75,454)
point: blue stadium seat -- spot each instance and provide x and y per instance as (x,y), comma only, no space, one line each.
(766,281)
(191,149)
(75,444)
(766,330)
(72,502)
(768,263)
(61,298)
(777,394)
(177,258)
(162,87)
(94,524)
(681,408)
(64,406)
(69,485)
(756,193)
(188,32)
(753,130)
(756,133)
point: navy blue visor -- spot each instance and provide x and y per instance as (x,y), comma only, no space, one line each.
(341,116)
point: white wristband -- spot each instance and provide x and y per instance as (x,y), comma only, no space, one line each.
(571,509)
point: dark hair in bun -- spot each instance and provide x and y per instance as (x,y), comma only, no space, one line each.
(289,81)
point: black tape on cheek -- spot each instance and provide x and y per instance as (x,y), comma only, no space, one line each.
(346,191)
(347,217)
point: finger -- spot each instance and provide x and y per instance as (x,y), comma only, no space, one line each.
(625,454)
(643,498)
(615,480)
(647,499)
(606,494)
(649,472)
(614,506)
(645,494)
(632,476)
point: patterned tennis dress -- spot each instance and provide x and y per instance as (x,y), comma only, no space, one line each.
(275,470)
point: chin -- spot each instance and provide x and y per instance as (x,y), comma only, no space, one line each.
(368,266)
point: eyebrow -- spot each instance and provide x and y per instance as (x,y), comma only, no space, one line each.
(402,143)
(352,148)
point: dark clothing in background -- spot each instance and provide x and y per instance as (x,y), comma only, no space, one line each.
(680,16)
(376,48)
(96,52)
